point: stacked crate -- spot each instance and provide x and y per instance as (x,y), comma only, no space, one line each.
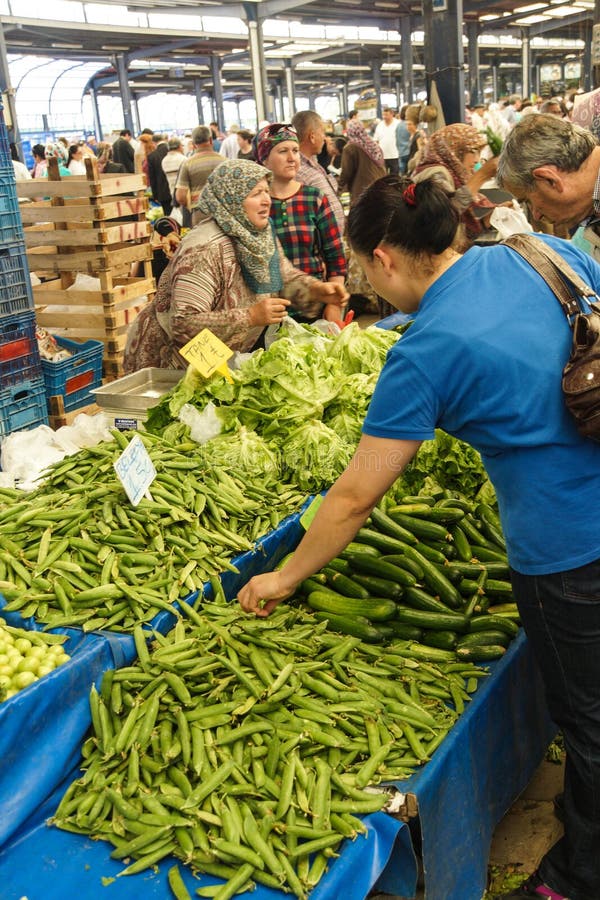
(22,392)
(89,225)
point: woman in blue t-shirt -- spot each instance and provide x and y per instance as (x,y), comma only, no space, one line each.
(483,360)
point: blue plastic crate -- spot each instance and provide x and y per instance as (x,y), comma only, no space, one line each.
(11,225)
(19,352)
(74,378)
(22,406)
(15,284)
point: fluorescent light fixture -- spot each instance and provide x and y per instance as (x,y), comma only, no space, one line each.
(65,45)
(562,11)
(491,17)
(383,4)
(531,20)
(531,7)
(115,47)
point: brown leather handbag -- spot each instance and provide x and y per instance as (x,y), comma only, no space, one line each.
(581,374)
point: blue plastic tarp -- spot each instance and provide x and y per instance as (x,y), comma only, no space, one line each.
(43,861)
(475,775)
(42,729)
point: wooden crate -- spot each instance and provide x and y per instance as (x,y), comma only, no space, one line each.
(92,225)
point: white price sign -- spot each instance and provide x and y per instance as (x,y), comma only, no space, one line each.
(135,470)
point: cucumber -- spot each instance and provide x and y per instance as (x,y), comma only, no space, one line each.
(430,553)
(462,545)
(490,525)
(466,569)
(499,588)
(345,585)
(445,515)
(374,609)
(500,570)
(486,554)
(456,503)
(488,622)
(379,587)
(421,528)
(340,565)
(480,654)
(369,566)
(414,509)
(312,584)
(505,609)
(405,632)
(385,524)
(474,536)
(400,559)
(432,621)
(382,542)
(421,499)
(484,638)
(467,587)
(357,626)
(436,580)
(355,547)
(420,599)
(445,640)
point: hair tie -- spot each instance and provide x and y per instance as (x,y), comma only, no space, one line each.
(408,195)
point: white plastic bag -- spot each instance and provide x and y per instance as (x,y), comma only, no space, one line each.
(509,220)
(203,425)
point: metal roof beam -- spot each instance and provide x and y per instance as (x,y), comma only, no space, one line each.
(322,54)
(562,22)
(160,49)
(234,10)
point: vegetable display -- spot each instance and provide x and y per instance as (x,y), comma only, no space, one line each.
(305,398)
(26,656)
(431,571)
(244,747)
(75,552)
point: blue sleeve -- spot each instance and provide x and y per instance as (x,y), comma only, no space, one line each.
(404,405)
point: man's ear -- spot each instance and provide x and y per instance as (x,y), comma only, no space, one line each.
(551,175)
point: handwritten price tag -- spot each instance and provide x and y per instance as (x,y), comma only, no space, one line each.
(135,470)
(207,354)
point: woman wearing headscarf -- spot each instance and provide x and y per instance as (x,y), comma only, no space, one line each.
(303,219)
(362,161)
(361,164)
(450,158)
(229,274)
(57,150)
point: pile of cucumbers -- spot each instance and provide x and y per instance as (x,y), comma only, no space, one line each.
(429,570)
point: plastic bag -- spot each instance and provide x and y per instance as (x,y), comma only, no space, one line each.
(509,220)
(203,425)
(27,454)
(291,329)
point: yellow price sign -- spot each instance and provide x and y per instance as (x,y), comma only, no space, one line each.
(208,354)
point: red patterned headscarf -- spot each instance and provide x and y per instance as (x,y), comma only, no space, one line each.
(273,134)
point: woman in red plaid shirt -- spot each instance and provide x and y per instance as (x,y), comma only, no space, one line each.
(301,214)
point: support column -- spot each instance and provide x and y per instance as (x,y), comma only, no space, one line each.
(198,96)
(495,82)
(585,80)
(444,57)
(289,87)
(406,54)
(96,114)
(375,65)
(215,71)
(473,59)
(279,110)
(398,94)
(311,101)
(595,51)
(525,63)
(343,95)
(136,114)
(126,100)
(9,95)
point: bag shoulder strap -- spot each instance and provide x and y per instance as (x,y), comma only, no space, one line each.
(556,272)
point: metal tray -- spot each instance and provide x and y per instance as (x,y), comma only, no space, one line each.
(138,391)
